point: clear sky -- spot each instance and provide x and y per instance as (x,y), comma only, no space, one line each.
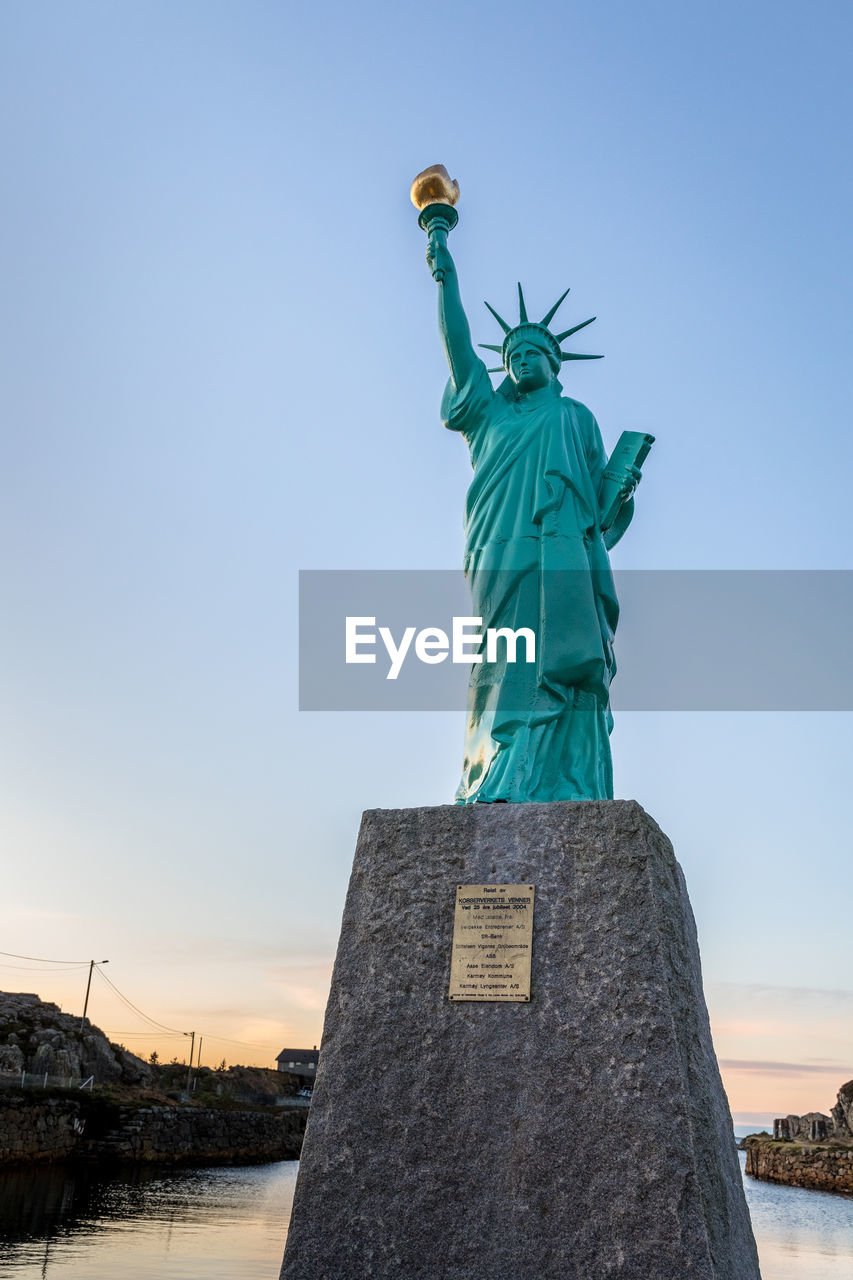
(221,365)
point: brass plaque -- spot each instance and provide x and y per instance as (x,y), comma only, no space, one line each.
(492,942)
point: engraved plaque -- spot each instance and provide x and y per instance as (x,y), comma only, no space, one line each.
(492,942)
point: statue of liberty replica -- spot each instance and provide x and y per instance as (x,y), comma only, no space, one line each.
(516,1076)
(543,510)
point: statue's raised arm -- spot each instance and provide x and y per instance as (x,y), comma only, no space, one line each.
(435,193)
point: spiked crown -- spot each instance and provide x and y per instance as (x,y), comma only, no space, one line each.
(538,333)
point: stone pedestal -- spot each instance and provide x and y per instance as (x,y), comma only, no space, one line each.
(581,1136)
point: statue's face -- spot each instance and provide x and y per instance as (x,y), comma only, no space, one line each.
(529,367)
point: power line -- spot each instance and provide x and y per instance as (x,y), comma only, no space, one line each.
(250,1044)
(154,1035)
(67,966)
(39,960)
(159,1026)
(147,1035)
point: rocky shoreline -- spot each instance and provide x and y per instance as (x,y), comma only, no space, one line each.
(814,1151)
(95,1102)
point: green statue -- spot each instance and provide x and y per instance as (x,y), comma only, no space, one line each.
(544,508)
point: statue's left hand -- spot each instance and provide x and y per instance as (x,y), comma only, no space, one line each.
(632,478)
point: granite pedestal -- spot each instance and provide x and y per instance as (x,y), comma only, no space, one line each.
(581,1136)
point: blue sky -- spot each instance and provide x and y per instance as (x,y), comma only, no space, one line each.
(221,366)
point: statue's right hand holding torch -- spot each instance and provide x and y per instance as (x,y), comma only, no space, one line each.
(438,255)
(435,193)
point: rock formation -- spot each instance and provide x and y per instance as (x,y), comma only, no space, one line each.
(814,1126)
(814,1150)
(842,1112)
(36,1036)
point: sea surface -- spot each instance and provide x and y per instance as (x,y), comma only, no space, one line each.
(230,1224)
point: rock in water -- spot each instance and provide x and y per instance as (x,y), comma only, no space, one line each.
(583,1135)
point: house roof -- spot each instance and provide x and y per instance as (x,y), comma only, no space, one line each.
(299,1055)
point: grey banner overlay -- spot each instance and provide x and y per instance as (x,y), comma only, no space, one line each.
(688,640)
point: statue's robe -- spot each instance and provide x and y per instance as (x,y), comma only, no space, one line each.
(535,557)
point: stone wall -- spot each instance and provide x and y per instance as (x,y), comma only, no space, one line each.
(38,1133)
(189,1135)
(819,1168)
(54,1129)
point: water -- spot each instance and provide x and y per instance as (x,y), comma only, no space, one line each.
(144,1224)
(801,1235)
(229,1224)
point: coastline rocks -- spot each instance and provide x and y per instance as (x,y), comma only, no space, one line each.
(813,1151)
(130,1120)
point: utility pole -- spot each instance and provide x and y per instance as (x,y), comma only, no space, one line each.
(92,964)
(198,1055)
(190,1068)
